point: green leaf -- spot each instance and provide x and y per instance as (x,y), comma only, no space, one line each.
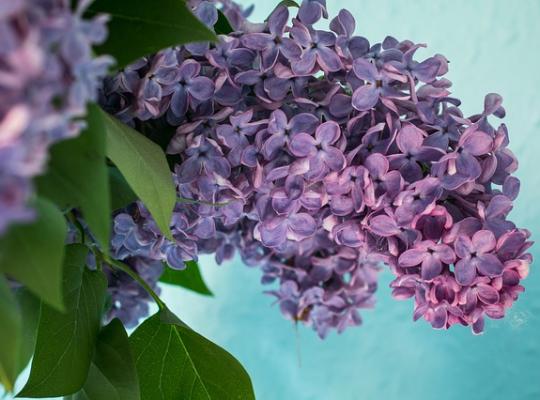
(65,341)
(33,253)
(144,166)
(77,177)
(223,26)
(288,3)
(175,362)
(30,308)
(112,374)
(149,26)
(10,335)
(121,193)
(189,278)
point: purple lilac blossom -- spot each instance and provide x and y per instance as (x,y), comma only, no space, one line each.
(47,76)
(319,156)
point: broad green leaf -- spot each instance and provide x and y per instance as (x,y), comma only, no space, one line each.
(65,341)
(77,177)
(143,164)
(112,374)
(30,307)
(223,26)
(149,26)
(121,193)
(189,278)
(10,335)
(33,253)
(174,362)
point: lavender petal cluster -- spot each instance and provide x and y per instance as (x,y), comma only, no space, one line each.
(319,156)
(47,76)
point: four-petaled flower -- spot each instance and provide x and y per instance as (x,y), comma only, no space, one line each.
(430,256)
(376,86)
(323,156)
(476,256)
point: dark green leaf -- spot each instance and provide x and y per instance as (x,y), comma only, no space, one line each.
(30,308)
(121,192)
(112,374)
(223,26)
(175,362)
(33,253)
(10,335)
(285,3)
(288,3)
(77,177)
(148,26)
(143,164)
(189,278)
(65,341)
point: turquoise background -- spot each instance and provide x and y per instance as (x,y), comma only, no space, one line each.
(493,47)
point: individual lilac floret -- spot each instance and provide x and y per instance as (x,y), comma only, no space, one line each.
(47,76)
(320,156)
(273,44)
(476,256)
(317,51)
(430,256)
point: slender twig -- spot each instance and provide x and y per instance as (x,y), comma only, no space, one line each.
(206,203)
(125,268)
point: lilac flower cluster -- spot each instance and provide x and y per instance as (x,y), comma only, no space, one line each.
(318,155)
(47,76)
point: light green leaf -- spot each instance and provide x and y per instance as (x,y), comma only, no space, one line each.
(189,278)
(10,335)
(149,26)
(77,177)
(33,253)
(143,164)
(65,341)
(223,26)
(175,362)
(112,374)
(30,308)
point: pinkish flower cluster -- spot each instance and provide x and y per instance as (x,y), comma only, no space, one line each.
(318,155)
(47,76)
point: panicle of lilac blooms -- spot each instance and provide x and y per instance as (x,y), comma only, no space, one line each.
(47,76)
(318,156)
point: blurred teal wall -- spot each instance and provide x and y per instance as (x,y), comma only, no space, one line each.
(493,47)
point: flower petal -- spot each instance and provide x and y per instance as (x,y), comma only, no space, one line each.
(385,226)
(334,159)
(483,241)
(328,59)
(489,265)
(365,97)
(302,145)
(465,272)
(412,258)
(365,70)
(202,88)
(431,268)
